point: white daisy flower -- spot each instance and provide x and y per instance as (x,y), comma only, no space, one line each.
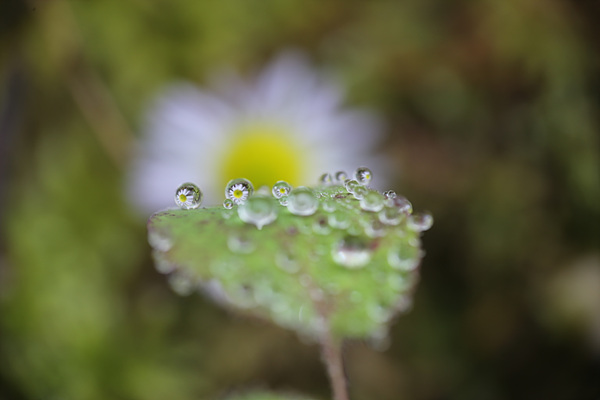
(287,124)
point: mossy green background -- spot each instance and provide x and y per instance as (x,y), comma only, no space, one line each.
(492,124)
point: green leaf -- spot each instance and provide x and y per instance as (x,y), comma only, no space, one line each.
(343,268)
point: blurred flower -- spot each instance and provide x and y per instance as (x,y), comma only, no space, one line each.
(288,123)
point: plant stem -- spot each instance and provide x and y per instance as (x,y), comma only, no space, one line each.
(332,356)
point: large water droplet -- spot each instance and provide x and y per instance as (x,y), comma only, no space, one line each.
(401,203)
(420,222)
(372,201)
(239,190)
(258,210)
(281,188)
(363,175)
(302,201)
(350,184)
(351,252)
(188,196)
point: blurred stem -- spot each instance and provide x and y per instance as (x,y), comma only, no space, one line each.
(332,356)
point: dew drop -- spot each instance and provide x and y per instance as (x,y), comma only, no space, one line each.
(161,264)
(351,252)
(240,244)
(188,196)
(280,189)
(326,179)
(350,184)
(401,203)
(258,210)
(341,176)
(375,228)
(389,194)
(359,192)
(228,204)
(363,175)
(404,257)
(284,200)
(390,216)
(420,222)
(239,190)
(372,201)
(181,284)
(158,241)
(321,226)
(302,201)
(287,262)
(329,205)
(339,219)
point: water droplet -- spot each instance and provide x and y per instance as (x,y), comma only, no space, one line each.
(389,194)
(350,184)
(284,200)
(281,188)
(321,227)
(379,313)
(240,244)
(375,229)
(258,210)
(363,175)
(158,241)
(302,201)
(390,215)
(228,204)
(359,192)
(404,257)
(341,176)
(239,190)
(161,263)
(181,284)
(420,222)
(188,196)
(401,203)
(287,262)
(351,252)
(326,179)
(339,219)
(329,205)
(372,201)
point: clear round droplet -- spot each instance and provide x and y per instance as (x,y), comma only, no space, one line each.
(321,226)
(281,188)
(228,204)
(302,201)
(326,179)
(420,222)
(359,192)
(375,228)
(350,184)
(351,252)
(283,200)
(341,176)
(328,205)
(258,210)
(239,190)
(188,196)
(390,215)
(339,219)
(372,201)
(363,175)
(389,194)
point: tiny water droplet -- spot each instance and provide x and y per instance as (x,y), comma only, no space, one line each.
(239,190)
(302,201)
(341,176)
(326,179)
(281,188)
(240,244)
(363,175)
(401,203)
(228,204)
(359,192)
(404,257)
(390,215)
(389,194)
(420,222)
(188,196)
(350,184)
(351,252)
(258,210)
(372,201)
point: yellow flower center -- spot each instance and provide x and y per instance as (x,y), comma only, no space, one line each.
(238,194)
(182,198)
(263,155)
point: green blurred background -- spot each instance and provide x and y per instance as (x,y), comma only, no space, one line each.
(492,111)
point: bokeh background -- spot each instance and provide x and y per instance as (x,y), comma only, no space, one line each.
(492,123)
